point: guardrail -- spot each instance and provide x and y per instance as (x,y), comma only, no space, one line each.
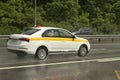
(91,38)
(3,40)
(4,36)
(102,38)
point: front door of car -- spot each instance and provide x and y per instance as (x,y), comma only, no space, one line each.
(68,41)
(60,40)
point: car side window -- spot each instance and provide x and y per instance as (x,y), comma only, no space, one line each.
(65,34)
(51,33)
(29,31)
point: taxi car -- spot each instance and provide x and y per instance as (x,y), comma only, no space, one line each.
(42,41)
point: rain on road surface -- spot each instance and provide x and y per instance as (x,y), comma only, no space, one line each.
(102,63)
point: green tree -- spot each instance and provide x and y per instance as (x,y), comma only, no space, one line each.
(11,13)
(61,10)
(102,15)
(116,9)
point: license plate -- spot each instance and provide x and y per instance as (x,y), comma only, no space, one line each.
(14,41)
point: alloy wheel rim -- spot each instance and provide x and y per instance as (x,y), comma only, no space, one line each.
(42,54)
(83,51)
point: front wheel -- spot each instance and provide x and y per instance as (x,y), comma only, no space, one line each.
(41,53)
(82,51)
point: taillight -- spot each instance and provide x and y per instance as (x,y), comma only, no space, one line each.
(25,39)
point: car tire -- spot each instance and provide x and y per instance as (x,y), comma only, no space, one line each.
(41,53)
(82,51)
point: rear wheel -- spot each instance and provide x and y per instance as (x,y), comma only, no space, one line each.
(82,51)
(41,53)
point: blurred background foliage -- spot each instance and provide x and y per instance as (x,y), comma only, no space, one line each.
(101,15)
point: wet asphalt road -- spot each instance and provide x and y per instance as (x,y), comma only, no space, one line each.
(102,63)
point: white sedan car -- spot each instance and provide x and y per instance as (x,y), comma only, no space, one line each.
(42,41)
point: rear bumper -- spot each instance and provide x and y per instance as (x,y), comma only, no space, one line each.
(16,51)
(19,50)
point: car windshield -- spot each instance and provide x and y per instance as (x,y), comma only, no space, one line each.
(30,31)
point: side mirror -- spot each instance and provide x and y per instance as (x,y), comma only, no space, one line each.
(73,37)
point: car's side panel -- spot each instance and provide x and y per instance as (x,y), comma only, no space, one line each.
(56,44)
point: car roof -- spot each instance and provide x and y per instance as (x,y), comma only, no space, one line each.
(46,28)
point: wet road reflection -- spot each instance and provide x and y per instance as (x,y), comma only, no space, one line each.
(79,71)
(88,70)
(58,72)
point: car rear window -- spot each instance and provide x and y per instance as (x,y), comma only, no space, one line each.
(30,31)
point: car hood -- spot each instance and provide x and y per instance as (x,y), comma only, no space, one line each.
(83,39)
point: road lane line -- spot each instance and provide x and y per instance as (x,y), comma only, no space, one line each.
(39,65)
(117,74)
(98,49)
(62,63)
(109,59)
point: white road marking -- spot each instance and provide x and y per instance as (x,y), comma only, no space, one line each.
(62,63)
(98,49)
(109,59)
(48,64)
